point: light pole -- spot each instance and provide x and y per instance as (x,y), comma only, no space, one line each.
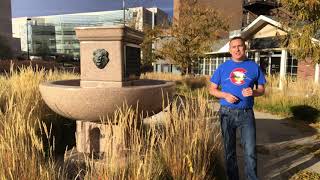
(124,11)
(28,50)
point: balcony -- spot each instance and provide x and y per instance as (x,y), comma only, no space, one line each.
(247,18)
(262,6)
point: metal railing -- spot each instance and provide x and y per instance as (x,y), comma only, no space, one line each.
(247,18)
(271,2)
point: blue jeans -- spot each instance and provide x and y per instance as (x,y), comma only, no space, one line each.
(230,120)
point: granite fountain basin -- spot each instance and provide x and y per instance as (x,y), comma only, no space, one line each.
(69,99)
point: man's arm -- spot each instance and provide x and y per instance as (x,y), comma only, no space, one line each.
(213,90)
(259,91)
(255,93)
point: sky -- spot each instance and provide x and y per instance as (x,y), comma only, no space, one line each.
(30,8)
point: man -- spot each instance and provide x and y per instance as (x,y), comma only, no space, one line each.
(237,78)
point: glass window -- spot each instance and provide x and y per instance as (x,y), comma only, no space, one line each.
(220,60)
(213,65)
(251,55)
(199,67)
(292,66)
(207,67)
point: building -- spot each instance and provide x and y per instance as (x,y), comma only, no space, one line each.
(5,18)
(264,48)
(238,13)
(158,17)
(252,9)
(57,31)
(6,27)
(231,10)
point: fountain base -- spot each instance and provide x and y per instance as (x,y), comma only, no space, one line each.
(98,146)
(100,140)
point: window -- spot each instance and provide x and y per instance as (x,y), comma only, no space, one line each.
(207,67)
(198,68)
(251,55)
(220,60)
(213,65)
(265,43)
(134,14)
(292,66)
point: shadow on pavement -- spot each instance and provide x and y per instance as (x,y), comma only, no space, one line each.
(285,147)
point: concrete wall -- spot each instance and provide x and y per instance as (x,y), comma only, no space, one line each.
(231,10)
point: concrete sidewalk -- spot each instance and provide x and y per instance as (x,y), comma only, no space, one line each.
(284,148)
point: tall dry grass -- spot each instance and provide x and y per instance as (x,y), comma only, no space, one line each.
(298,98)
(162,76)
(187,85)
(295,93)
(183,144)
(22,152)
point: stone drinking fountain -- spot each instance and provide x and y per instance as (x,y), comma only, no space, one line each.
(110,71)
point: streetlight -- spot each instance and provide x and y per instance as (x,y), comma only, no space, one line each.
(28,51)
(124,11)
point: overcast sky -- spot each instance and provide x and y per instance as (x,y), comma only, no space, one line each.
(21,8)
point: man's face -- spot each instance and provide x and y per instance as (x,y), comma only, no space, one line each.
(237,50)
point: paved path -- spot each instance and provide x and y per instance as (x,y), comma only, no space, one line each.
(284,147)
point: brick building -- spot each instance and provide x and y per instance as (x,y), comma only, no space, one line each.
(6,26)
(5,18)
(231,10)
(238,13)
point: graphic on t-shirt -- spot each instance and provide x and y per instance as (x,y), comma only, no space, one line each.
(237,76)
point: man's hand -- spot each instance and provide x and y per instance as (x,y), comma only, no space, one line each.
(213,90)
(246,92)
(230,98)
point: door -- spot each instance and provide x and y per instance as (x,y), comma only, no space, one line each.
(275,65)
(264,64)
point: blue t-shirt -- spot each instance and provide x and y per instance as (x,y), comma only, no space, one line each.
(234,76)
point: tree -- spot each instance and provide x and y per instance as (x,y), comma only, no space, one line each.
(303,28)
(149,54)
(192,35)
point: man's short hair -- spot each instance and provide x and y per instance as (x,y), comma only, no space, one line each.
(237,37)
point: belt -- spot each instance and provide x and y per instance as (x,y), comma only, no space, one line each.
(225,108)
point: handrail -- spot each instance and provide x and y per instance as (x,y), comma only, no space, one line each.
(273,2)
(248,18)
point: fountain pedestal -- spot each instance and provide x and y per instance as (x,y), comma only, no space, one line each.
(122,59)
(100,140)
(110,71)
